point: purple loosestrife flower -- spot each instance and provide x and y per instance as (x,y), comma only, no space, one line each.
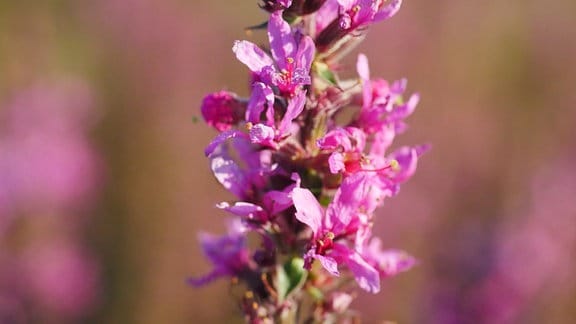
(228,253)
(357,14)
(307,185)
(245,173)
(382,110)
(335,231)
(222,110)
(346,145)
(388,262)
(270,135)
(292,54)
(272,203)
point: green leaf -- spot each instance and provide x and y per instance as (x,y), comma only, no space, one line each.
(315,293)
(323,70)
(289,277)
(261,26)
(282,283)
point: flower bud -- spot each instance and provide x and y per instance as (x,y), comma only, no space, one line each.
(222,110)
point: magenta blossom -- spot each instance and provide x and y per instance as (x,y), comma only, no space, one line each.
(237,164)
(268,134)
(346,145)
(228,253)
(292,54)
(356,14)
(383,109)
(222,110)
(334,232)
(307,182)
(388,262)
(273,202)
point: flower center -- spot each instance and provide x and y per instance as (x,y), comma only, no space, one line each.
(324,244)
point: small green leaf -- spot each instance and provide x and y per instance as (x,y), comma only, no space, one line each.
(289,277)
(315,293)
(323,70)
(282,283)
(261,26)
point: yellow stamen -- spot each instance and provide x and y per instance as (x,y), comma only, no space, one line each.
(394,165)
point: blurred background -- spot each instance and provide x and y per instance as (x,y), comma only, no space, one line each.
(104,185)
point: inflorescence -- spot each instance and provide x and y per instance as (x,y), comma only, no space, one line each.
(307,156)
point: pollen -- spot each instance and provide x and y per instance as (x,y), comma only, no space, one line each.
(394,165)
(289,60)
(356,8)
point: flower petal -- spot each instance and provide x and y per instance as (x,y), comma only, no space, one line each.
(295,108)
(282,43)
(366,276)
(251,55)
(244,209)
(306,50)
(220,139)
(229,174)
(262,134)
(262,97)
(328,263)
(308,210)
(387,12)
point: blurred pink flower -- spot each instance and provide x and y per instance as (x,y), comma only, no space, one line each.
(62,277)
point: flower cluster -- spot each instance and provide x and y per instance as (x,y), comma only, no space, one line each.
(308,157)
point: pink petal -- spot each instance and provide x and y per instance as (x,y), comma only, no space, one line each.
(387,12)
(328,263)
(262,97)
(295,108)
(366,276)
(282,43)
(251,55)
(362,67)
(306,50)
(308,210)
(243,209)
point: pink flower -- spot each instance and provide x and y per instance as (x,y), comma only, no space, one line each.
(237,164)
(383,109)
(346,145)
(356,14)
(388,262)
(335,230)
(292,55)
(228,253)
(222,110)
(268,133)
